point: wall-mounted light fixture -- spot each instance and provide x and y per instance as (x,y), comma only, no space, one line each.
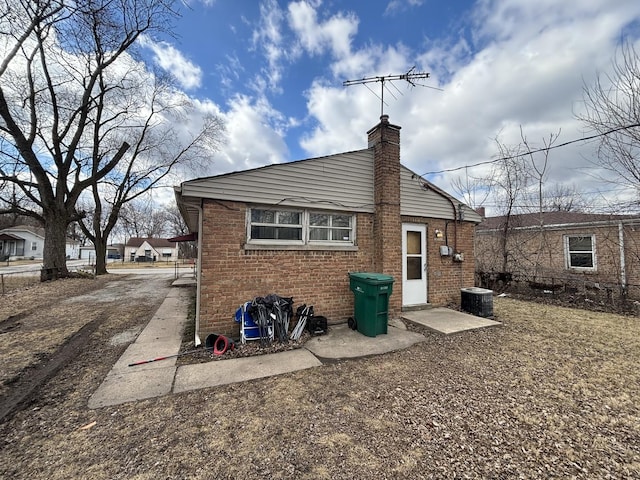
(438,234)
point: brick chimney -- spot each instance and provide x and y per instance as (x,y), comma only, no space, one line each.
(384,138)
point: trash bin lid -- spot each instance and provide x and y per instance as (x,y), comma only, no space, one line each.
(371,278)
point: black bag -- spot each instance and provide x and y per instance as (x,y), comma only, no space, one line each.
(317,325)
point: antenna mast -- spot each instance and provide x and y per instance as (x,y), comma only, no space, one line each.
(409,77)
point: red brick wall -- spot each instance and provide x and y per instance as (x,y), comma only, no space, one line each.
(539,257)
(232,275)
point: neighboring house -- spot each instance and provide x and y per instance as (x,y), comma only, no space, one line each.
(150,250)
(21,242)
(558,252)
(297,229)
(88,252)
(28,242)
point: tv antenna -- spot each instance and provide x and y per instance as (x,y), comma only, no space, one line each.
(409,77)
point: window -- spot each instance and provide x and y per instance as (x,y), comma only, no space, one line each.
(34,246)
(330,227)
(300,227)
(276,225)
(580,252)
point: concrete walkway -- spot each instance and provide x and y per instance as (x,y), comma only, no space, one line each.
(162,337)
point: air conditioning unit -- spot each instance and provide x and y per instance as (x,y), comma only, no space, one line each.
(477,301)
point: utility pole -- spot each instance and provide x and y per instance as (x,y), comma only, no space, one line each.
(409,77)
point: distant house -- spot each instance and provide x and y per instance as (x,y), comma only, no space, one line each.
(88,252)
(28,242)
(139,249)
(556,252)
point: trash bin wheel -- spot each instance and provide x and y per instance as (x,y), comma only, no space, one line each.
(352,323)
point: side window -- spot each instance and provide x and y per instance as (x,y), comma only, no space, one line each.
(300,227)
(267,224)
(580,252)
(330,227)
(34,246)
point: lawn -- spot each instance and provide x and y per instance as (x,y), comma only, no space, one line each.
(553,393)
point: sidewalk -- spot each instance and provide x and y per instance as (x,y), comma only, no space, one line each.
(163,337)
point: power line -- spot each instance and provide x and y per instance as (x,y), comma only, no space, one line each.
(530,152)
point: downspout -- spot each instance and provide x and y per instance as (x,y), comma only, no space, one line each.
(623,267)
(197,340)
(455,224)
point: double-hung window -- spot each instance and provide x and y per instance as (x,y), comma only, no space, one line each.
(580,252)
(276,225)
(328,227)
(281,226)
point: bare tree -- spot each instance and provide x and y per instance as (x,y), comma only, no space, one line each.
(474,191)
(510,180)
(142,218)
(175,221)
(564,198)
(612,109)
(64,103)
(159,147)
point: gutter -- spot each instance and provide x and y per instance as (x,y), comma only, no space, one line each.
(196,339)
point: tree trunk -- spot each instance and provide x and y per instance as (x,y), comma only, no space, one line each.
(100,244)
(54,264)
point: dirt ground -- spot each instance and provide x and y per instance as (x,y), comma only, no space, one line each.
(553,393)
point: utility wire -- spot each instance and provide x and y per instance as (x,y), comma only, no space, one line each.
(530,152)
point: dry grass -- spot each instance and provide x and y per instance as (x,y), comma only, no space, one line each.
(10,282)
(551,394)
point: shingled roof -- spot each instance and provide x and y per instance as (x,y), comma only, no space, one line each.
(549,219)
(154,242)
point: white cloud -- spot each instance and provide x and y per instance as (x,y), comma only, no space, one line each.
(527,69)
(317,37)
(171,60)
(252,141)
(268,38)
(399,5)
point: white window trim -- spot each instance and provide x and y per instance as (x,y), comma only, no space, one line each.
(269,241)
(305,242)
(567,256)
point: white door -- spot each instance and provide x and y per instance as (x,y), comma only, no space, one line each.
(414,264)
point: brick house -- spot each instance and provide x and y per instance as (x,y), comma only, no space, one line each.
(561,252)
(297,229)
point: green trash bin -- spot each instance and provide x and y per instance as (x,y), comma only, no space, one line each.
(371,301)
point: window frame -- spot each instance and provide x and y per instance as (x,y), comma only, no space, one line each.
(305,241)
(274,241)
(568,252)
(330,228)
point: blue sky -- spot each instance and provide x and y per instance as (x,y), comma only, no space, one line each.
(273,70)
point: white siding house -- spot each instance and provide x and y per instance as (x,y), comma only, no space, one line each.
(21,242)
